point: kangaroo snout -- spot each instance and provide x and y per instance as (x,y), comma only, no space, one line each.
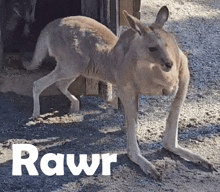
(167,65)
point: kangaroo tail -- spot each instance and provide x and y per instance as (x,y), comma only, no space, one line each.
(40,52)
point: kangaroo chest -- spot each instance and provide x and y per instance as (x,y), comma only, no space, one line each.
(151,80)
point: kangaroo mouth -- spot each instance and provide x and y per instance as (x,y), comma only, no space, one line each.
(165,69)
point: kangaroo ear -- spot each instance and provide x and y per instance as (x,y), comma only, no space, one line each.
(162,16)
(134,23)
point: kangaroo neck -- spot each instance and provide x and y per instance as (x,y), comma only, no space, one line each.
(102,66)
(108,64)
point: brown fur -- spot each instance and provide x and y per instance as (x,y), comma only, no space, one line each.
(144,60)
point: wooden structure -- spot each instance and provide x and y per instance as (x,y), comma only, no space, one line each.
(132,7)
(108,12)
(1,43)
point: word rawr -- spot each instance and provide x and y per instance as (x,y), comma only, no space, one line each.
(107,159)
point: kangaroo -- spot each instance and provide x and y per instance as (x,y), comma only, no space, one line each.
(144,60)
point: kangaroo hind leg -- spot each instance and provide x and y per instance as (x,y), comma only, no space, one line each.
(170,141)
(56,75)
(130,103)
(63,86)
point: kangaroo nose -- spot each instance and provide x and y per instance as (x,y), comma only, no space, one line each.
(169,65)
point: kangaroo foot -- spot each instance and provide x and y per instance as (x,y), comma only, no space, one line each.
(190,156)
(146,166)
(74,107)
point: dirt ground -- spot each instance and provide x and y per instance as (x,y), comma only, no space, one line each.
(196,25)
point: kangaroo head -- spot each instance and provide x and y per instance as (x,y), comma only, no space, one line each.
(153,44)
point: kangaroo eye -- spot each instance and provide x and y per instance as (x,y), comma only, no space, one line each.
(152,49)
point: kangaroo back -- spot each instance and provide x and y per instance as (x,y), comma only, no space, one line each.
(82,36)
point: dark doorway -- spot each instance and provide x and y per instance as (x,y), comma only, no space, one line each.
(49,10)
(46,11)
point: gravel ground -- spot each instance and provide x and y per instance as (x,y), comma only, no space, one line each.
(196,25)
